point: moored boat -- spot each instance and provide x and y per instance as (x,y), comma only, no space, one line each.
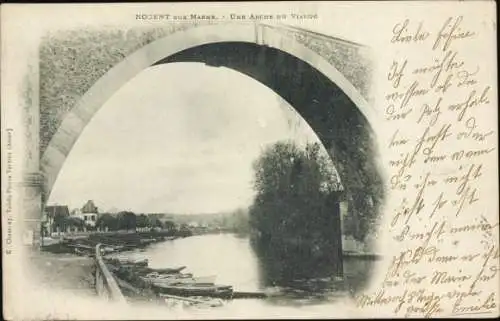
(149,270)
(221,291)
(193,301)
(200,280)
(127,261)
(81,246)
(156,275)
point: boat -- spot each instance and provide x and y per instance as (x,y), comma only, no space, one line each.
(192,301)
(140,263)
(203,280)
(220,291)
(166,278)
(157,276)
(149,270)
(167,275)
(127,261)
(81,246)
(108,249)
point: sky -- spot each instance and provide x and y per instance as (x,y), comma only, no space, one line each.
(177,138)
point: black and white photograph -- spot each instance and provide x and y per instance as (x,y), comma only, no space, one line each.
(249,160)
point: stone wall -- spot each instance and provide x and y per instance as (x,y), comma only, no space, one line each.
(351,59)
(72,61)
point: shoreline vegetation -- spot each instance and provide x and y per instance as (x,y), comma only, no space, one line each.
(115,241)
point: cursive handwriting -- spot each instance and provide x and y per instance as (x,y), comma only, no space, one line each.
(442,218)
(451,32)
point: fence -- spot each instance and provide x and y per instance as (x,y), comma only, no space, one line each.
(105,284)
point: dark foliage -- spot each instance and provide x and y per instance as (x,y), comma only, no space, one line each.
(295,216)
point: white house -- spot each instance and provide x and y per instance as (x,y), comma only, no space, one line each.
(89,213)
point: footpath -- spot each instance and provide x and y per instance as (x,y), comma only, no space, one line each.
(64,271)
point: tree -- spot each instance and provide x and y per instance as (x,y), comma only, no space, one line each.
(59,222)
(295,214)
(184,230)
(291,185)
(154,221)
(239,222)
(169,225)
(127,221)
(107,220)
(143,221)
(72,222)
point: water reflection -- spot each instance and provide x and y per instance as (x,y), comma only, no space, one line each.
(297,273)
(239,262)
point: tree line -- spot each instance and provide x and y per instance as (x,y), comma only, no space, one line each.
(124,220)
(127,220)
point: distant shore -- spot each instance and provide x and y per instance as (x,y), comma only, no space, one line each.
(85,243)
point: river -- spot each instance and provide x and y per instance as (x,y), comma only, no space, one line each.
(235,262)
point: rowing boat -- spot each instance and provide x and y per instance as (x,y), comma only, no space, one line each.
(81,246)
(221,291)
(127,261)
(196,301)
(152,272)
(200,280)
(156,275)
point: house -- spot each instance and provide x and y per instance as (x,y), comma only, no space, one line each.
(89,213)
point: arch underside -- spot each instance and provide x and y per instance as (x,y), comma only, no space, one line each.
(338,122)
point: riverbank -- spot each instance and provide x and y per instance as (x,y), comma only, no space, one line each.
(233,263)
(187,252)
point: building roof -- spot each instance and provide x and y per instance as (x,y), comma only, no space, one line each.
(89,207)
(57,210)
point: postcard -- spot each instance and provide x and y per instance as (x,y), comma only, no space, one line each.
(250,160)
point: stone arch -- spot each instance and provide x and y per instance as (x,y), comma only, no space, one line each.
(356,151)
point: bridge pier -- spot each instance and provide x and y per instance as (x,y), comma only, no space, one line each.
(32,182)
